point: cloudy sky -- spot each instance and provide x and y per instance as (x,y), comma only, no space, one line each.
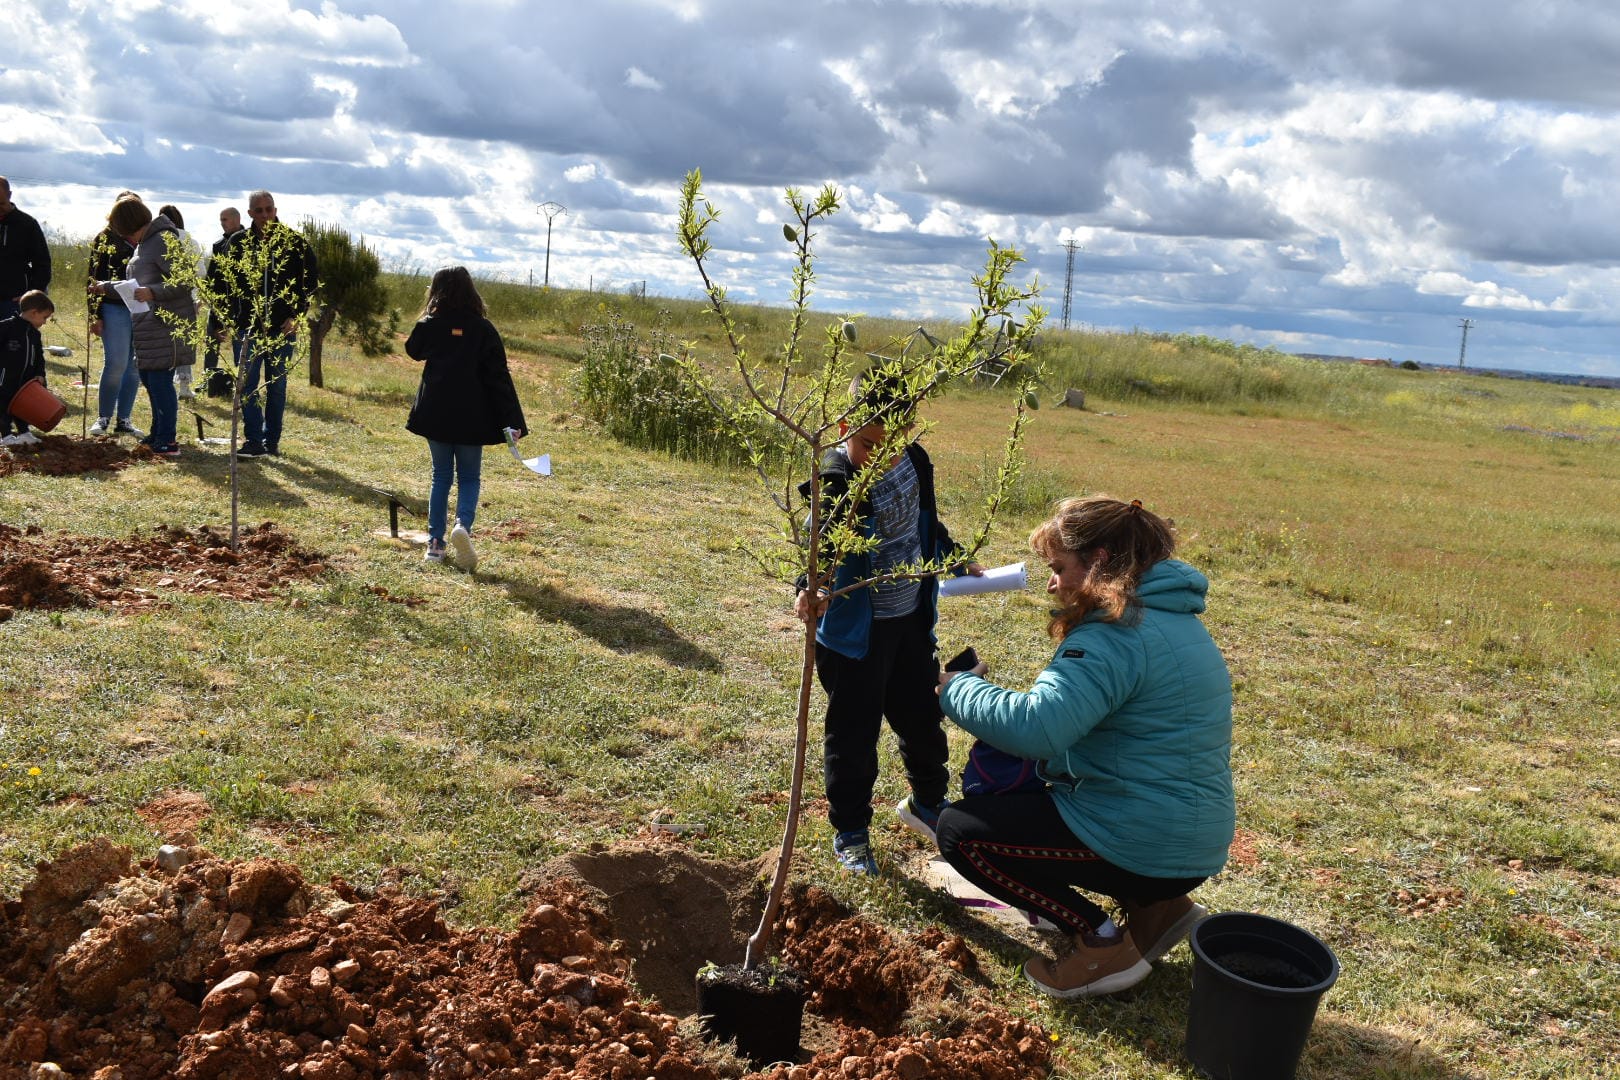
(1353,178)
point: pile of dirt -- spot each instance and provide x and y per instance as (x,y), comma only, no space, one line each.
(64,571)
(192,967)
(67,455)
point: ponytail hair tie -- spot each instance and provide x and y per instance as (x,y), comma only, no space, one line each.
(1136,504)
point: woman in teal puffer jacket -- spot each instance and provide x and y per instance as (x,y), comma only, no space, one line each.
(1131,723)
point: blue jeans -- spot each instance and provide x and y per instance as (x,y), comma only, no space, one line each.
(120,382)
(165,409)
(465,462)
(261,423)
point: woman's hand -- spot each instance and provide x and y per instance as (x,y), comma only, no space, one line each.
(981,669)
(144,295)
(809,606)
(95,328)
(96,288)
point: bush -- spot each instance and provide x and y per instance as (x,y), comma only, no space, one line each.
(635,388)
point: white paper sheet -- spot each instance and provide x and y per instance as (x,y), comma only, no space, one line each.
(540,466)
(126,292)
(1002,579)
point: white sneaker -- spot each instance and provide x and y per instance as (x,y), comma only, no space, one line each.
(124,427)
(102,425)
(25,438)
(461,540)
(11,440)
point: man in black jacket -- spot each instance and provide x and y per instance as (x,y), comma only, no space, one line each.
(270,274)
(25,258)
(218,383)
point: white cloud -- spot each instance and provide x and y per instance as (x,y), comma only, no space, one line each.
(1349,174)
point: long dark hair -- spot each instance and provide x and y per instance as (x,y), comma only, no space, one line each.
(1133,539)
(451,292)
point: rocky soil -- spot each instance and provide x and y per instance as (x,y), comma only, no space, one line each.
(187,966)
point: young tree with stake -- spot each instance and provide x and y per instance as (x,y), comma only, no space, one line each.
(803,391)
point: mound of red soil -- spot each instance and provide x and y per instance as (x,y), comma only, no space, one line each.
(66,455)
(207,968)
(62,571)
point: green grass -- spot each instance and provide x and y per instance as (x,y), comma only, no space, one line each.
(1416,596)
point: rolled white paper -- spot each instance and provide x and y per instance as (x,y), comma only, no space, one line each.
(1001,579)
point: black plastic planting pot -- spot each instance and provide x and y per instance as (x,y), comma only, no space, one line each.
(761,1007)
(1256,985)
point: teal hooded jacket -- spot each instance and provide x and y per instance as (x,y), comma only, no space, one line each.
(1132,724)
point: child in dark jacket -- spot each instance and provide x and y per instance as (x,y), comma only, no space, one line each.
(22,357)
(875,646)
(466,401)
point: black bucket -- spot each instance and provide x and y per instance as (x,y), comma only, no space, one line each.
(1256,984)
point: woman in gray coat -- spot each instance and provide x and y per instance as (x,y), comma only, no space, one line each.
(161,341)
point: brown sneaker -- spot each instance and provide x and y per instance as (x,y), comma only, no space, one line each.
(1158,928)
(1090,970)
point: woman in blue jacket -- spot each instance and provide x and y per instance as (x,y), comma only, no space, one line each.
(1131,723)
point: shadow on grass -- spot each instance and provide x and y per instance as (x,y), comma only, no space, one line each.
(1157,1009)
(622,629)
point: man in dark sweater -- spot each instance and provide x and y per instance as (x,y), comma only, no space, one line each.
(25,258)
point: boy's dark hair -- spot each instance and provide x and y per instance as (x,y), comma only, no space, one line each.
(127,216)
(880,397)
(172,212)
(35,300)
(452,292)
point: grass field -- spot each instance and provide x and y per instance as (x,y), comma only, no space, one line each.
(1415,581)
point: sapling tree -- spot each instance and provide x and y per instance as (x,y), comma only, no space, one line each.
(802,389)
(242,286)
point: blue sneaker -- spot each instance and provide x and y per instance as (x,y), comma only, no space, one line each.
(919,818)
(854,851)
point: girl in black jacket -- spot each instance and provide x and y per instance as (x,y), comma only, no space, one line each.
(466,402)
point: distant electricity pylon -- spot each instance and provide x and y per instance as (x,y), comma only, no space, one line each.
(1068,282)
(550,210)
(1465,324)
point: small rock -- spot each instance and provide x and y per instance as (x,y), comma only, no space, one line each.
(345,970)
(911,1065)
(358,1035)
(340,911)
(45,1068)
(320,980)
(215,1039)
(233,992)
(281,991)
(172,857)
(236,929)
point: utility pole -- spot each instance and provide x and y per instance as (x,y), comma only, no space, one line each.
(1465,324)
(1068,281)
(550,210)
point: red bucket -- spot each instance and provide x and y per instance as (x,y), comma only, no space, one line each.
(36,406)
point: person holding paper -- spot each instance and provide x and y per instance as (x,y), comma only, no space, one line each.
(1131,722)
(464,403)
(159,310)
(110,320)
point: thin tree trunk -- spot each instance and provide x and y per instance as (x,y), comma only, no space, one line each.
(773,900)
(317,340)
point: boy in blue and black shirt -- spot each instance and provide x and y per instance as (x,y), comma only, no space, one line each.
(875,646)
(22,357)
